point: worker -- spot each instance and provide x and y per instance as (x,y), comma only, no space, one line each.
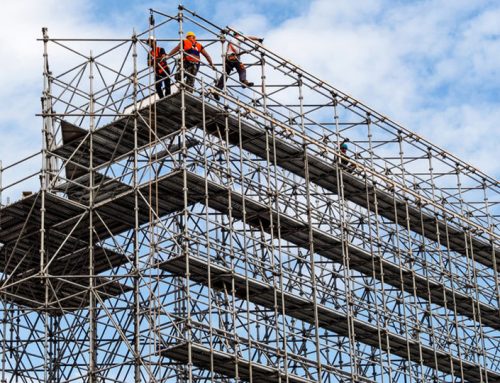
(344,163)
(157,59)
(233,54)
(191,59)
(343,148)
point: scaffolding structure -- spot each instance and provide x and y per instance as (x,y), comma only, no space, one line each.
(221,235)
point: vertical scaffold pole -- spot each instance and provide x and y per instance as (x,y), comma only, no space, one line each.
(152,129)
(310,228)
(181,76)
(185,216)
(135,182)
(374,231)
(44,181)
(4,337)
(91,292)
(342,212)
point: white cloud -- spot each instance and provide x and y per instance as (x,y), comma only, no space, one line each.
(419,62)
(416,62)
(21,53)
(22,70)
(22,65)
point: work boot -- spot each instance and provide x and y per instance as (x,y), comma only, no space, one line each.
(247,83)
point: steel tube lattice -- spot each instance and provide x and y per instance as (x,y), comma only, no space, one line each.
(220,235)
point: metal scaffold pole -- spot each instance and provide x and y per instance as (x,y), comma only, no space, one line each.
(93,378)
(45,179)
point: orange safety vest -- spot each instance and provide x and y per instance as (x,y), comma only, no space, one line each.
(161,65)
(192,51)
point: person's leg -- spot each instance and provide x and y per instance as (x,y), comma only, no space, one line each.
(177,75)
(188,77)
(158,81)
(220,82)
(191,72)
(167,82)
(242,72)
(222,79)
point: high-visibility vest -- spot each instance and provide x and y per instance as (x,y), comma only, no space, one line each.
(161,66)
(192,51)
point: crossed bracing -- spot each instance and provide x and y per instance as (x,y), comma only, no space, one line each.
(115,200)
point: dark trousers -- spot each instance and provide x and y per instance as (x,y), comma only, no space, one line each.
(190,72)
(162,80)
(230,65)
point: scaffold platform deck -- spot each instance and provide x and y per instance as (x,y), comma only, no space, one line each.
(66,255)
(262,293)
(116,138)
(296,232)
(115,201)
(58,295)
(259,215)
(225,364)
(119,205)
(117,212)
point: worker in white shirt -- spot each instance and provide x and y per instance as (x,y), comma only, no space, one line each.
(233,54)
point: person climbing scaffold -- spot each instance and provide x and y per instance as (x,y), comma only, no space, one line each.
(233,61)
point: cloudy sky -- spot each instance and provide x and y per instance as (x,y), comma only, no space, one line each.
(432,66)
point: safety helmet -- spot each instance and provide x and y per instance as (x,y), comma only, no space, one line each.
(190,34)
(343,146)
(151,38)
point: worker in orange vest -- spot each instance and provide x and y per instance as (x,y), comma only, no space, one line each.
(157,59)
(191,60)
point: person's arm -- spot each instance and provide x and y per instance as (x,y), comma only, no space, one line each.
(230,49)
(207,56)
(150,59)
(174,51)
(163,55)
(243,51)
(254,38)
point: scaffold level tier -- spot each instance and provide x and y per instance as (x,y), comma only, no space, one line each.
(225,364)
(116,139)
(259,215)
(21,237)
(65,261)
(168,197)
(264,294)
(170,188)
(58,295)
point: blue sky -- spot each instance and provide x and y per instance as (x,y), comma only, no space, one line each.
(432,66)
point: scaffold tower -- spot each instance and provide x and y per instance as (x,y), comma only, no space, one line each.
(225,234)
